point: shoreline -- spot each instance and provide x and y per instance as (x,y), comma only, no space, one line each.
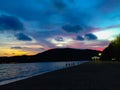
(8,81)
(87,76)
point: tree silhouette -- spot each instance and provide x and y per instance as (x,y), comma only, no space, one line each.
(116,42)
(113,50)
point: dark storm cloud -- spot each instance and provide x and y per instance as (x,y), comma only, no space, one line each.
(90,36)
(23,37)
(73,29)
(43,11)
(27,9)
(16,47)
(10,23)
(80,38)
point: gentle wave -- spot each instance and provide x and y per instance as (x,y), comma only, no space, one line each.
(28,73)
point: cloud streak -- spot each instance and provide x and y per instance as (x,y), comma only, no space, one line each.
(16,47)
(72,29)
(23,37)
(90,36)
(80,38)
(10,23)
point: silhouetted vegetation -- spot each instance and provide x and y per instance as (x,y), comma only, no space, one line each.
(112,52)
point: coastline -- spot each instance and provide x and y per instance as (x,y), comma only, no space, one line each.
(87,76)
(19,78)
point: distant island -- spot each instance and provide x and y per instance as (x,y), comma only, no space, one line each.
(58,54)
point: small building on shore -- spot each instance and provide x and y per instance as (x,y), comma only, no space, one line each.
(95,58)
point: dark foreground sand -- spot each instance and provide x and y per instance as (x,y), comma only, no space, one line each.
(88,76)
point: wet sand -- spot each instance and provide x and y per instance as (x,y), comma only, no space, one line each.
(87,76)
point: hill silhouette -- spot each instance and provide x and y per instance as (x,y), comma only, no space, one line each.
(67,54)
(58,54)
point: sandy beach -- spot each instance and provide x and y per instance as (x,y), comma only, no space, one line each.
(87,76)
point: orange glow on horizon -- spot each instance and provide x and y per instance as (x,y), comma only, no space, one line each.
(13,52)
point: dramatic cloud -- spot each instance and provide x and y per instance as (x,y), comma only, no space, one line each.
(23,37)
(90,37)
(10,23)
(73,29)
(80,38)
(57,23)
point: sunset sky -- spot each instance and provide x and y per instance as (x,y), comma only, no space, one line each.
(32,26)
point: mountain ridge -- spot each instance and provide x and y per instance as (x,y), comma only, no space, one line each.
(57,54)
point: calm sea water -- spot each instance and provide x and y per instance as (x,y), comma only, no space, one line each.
(14,72)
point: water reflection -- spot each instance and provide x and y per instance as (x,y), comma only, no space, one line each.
(14,71)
